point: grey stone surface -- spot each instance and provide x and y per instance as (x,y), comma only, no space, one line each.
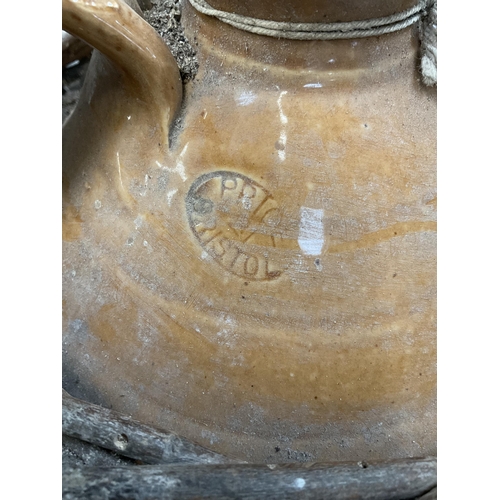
(76,453)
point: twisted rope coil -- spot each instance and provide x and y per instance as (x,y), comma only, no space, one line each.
(428,45)
(424,12)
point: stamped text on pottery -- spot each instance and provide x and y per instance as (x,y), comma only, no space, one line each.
(233,219)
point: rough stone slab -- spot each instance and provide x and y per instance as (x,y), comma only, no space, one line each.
(430,495)
(127,437)
(396,480)
(76,453)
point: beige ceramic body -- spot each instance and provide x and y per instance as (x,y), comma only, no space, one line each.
(258,275)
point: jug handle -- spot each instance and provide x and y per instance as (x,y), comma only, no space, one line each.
(148,67)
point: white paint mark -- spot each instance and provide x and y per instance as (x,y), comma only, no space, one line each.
(246,98)
(313,85)
(311,233)
(73,64)
(146,180)
(209,435)
(284,121)
(246,201)
(119,168)
(145,243)
(97,204)
(299,483)
(331,60)
(128,117)
(226,335)
(170,194)
(179,166)
(138,221)
(229,321)
(283,118)
(281,152)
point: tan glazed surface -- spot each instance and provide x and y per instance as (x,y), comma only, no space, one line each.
(249,260)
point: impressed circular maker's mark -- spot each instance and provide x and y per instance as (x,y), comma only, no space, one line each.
(233,218)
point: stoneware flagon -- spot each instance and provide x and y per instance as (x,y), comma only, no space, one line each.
(249,258)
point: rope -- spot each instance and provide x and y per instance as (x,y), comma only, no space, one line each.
(428,45)
(424,11)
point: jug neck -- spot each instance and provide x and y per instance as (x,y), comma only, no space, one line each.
(314,11)
(226,46)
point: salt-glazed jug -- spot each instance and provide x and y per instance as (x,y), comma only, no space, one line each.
(249,258)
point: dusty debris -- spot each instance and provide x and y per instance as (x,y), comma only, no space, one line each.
(165,17)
